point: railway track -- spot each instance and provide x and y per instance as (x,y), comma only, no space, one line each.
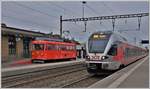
(74,79)
(84,82)
(26,78)
(67,77)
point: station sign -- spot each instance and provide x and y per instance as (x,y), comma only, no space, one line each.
(145,41)
(100,36)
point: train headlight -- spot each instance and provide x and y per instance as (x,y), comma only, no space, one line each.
(87,57)
(104,57)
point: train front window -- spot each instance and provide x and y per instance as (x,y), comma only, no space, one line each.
(97,46)
(38,46)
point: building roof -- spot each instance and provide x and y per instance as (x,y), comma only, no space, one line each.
(28,33)
(6,29)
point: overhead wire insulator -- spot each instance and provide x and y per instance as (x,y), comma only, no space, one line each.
(139,23)
(100,22)
(85,23)
(126,21)
(113,23)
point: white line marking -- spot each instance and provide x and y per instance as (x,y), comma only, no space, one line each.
(116,83)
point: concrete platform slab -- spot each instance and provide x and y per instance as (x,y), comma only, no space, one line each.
(37,67)
(139,78)
(117,79)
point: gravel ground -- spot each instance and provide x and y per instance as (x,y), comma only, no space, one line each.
(87,82)
(56,81)
(67,77)
(30,76)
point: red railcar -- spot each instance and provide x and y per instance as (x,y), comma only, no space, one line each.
(51,50)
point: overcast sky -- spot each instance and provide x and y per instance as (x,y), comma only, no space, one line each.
(44,16)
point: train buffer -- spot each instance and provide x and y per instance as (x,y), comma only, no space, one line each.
(135,75)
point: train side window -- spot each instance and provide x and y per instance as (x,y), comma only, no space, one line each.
(63,47)
(113,50)
(38,46)
(51,47)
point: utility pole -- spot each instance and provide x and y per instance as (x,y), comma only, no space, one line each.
(135,40)
(61,26)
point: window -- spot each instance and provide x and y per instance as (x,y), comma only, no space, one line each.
(52,47)
(38,47)
(63,47)
(68,47)
(97,46)
(26,51)
(113,50)
(12,45)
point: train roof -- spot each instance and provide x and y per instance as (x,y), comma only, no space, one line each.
(51,42)
(110,33)
(106,32)
(119,35)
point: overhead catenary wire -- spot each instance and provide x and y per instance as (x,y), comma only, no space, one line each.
(72,13)
(139,21)
(36,10)
(64,9)
(40,11)
(27,21)
(112,11)
(95,13)
(19,14)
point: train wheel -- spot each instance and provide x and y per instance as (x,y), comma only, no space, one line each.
(72,59)
(42,61)
(37,61)
(121,66)
(91,71)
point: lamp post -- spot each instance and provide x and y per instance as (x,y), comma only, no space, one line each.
(83,4)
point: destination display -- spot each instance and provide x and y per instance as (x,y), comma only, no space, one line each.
(100,36)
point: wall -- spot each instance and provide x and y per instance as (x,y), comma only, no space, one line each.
(19,49)
(4,46)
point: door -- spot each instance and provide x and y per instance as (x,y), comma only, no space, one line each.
(26,52)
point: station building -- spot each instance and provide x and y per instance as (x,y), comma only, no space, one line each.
(16,43)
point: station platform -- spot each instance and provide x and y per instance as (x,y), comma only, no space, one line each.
(22,62)
(139,78)
(135,75)
(16,62)
(9,71)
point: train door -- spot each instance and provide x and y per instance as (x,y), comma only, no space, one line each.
(63,52)
(120,54)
